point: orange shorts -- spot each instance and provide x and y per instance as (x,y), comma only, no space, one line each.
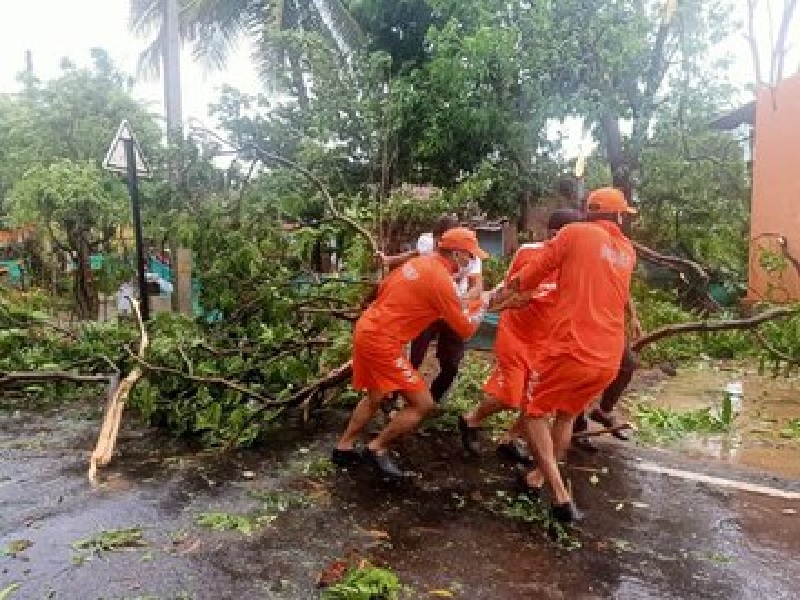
(566,385)
(511,382)
(382,366)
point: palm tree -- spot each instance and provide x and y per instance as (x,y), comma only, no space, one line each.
(213,27)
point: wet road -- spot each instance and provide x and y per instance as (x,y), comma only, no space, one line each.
(647,535)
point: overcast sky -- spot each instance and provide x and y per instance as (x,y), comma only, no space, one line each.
(53,29)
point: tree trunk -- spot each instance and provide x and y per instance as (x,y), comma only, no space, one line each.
(298,83)
(87,302)
(619,161)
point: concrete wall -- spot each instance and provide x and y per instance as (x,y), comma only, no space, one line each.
(775,210)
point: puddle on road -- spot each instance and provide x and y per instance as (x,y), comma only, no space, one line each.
(755,440)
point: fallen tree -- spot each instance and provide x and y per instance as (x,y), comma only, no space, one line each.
(750,322)
(277,344)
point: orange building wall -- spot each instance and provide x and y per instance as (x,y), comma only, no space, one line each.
(775,208)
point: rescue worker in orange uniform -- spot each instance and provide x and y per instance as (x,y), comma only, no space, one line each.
(581,357)
(520,334)
(410,298)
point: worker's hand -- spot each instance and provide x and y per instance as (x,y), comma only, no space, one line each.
(498,298)
(487,298)
(516,300)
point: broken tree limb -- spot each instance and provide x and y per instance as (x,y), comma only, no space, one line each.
(10,378)
(104,449)
(303,396)
(337,313)
(708,326)
(775,352)
(672,262)
(265,156)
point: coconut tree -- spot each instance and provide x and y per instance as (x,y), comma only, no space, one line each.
(213,28)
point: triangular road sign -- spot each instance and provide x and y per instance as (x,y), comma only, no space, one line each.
(115,158)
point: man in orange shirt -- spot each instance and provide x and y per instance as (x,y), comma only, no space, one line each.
(411,298)
(521,331)
(582,354)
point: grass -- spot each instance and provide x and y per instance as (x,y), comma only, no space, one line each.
(657,424)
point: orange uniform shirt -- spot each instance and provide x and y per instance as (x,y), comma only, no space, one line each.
(412,297)
(594,262)
(529,324)
(521,333)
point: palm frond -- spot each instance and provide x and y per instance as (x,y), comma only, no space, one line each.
(145,17)
(148,64)
(341,22)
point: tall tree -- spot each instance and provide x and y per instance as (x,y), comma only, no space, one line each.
(214,27)
(55,135)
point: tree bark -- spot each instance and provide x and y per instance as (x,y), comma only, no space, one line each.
(707,326)
(87,301)
(618,160)
(298,83)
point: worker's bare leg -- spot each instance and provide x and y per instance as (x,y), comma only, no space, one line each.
(418,406)
(540,440)
(484,410)
(362,415)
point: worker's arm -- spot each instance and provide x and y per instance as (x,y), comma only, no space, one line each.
(633,320)
(517,299)
(395,260)
(537,267)
(450,308)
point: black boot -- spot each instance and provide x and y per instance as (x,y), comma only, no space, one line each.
(566,513)
(469,437)
(383,463)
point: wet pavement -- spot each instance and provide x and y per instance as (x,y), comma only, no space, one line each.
(647,535)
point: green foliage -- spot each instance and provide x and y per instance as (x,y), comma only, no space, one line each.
(223,521)
(494,270)
(522,508)
(278,501)
(112,539)
(792,430)
(74,195)
(465,394)
(657,308)
(9,590)
(364,583)
(657,424)
(319,467)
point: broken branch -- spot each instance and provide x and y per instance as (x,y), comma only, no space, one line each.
(265,156)
(707,326)
(673,262)
(109,430)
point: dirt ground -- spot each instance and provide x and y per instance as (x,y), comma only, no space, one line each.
(654,529)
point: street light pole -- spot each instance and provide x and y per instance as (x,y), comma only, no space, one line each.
(133,190)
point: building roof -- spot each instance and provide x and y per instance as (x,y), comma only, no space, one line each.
(744,115)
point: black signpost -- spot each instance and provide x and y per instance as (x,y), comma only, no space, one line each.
(125,156)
